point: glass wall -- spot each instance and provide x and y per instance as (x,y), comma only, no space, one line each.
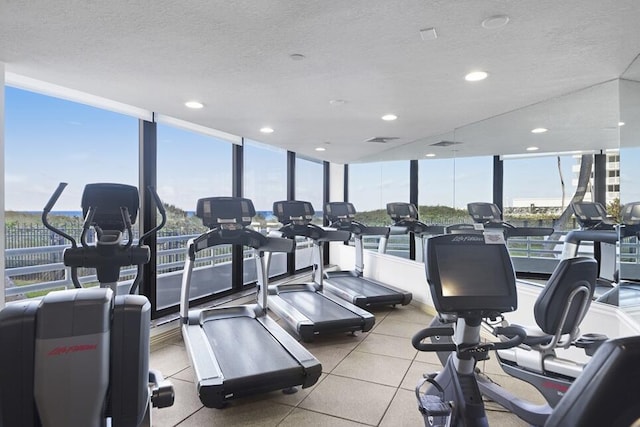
(308,187)
(47,141)
(265,182)
(190,166)
(447,185)
(371,187)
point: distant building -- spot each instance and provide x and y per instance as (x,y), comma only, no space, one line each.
(613,177)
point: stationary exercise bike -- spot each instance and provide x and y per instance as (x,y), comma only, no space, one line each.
(81,356)
(472,279)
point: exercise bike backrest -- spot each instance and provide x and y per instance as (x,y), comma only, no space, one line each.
(110,209)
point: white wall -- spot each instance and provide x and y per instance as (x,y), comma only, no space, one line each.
(2,181)
(410,275)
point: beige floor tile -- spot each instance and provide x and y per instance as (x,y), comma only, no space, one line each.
(169,359)
(428,357)
(186,403)
(415,372)
(403,411)
(302,418)
(409,313)
(295,398)
(264,413)
(186,374)
(373,367)
(398,328)
(349,398)
(330,356)
(387,346)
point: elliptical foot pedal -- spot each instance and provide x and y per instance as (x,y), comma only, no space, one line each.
(434,408)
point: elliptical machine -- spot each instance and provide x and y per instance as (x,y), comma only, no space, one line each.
(82,355)
(485,288)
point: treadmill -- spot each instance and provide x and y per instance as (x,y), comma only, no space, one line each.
(237,351)
(597,228)
(488,217)
(352,285)
(305,307)
(405,220)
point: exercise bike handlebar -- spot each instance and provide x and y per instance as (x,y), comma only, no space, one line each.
(516,336)
(417,343)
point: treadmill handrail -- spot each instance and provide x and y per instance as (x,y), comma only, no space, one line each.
(244,236)
(315,232)
(360,229)
(604,236)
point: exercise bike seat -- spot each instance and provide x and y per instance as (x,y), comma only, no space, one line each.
(562,304)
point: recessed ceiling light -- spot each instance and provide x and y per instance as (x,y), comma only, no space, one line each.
(194,104)
(476,76)
(297,56)
(539,130)
(532,148)
(428,34)
(496,21)
(389,117)
(320,149)
(620,123)
(266,129)
(337,102)
(430,155)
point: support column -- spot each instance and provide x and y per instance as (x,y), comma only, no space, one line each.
(413,198)
(237,190)
(2,182)
(498,183)
(147,136)
(600,178)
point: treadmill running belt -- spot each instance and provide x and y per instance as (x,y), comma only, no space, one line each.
(243,347)
(360,286)
(316,307)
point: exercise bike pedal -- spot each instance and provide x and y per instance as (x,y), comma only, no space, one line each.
(434,408)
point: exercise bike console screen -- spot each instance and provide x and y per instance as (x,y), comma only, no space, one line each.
(466,274)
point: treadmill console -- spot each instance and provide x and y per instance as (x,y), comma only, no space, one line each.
(483,212)
(293,212)
(631,219)
(400,211)
(467,275)
(225,212)
(339,211)
(106,200)
(592,215)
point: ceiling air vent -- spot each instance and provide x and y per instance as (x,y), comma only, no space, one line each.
(382,139)
(445,143)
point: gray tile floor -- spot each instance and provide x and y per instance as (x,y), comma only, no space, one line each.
(368,380)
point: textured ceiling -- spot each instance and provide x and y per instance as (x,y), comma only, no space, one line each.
(235,58)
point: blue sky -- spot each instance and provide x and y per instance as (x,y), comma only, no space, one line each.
(49,140)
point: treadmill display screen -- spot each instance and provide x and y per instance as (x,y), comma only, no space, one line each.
(466,271)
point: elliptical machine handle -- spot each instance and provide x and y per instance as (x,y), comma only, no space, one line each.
(417,343)
(163,214)
(516,335)
(54,197)
(47,208)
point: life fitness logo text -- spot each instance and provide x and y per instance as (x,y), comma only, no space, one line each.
(58,351)
(468,239)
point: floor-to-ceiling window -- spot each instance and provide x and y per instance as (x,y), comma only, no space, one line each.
(265,182)
(190,166)
(50,140)
(371,187)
